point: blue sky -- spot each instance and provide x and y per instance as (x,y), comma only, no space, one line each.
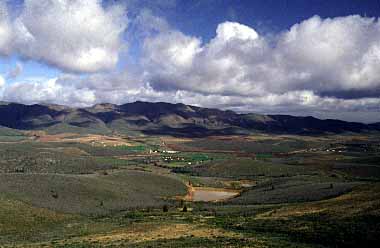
(301,57)
(201,17)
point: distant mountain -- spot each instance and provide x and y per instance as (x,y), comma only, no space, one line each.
(164,119)
(375,125)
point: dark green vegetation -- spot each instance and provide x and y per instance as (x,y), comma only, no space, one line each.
(80,190)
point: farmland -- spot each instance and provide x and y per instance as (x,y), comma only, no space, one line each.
(112,190)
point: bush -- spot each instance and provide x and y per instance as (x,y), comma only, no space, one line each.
(184,209)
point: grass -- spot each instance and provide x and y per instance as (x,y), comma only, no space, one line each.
(30,157)
(67,128)
(77,195)
(265,146)
(137,148)
(350,220)
(249,168)
(10,135)
(367,160)
(113,162)
(174,234)
(293,191)
(93,194)
(20,223)
(359,171)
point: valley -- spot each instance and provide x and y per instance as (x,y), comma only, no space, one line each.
(122,190)
(189,124)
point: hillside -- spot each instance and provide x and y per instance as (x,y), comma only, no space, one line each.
(163,118)
(5,131)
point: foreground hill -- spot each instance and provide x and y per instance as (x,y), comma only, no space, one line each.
(163,118)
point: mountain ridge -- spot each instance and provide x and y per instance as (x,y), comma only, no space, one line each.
(166,119)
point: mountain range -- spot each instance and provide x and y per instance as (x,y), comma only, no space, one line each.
(164,119)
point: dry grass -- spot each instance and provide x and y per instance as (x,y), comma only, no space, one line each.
(143,232)
(94,139)
(68,151)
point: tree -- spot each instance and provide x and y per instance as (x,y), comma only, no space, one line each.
(54,194)
(184,209)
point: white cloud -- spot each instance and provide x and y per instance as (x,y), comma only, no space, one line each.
(306,69)
(47,91)
(338,54)
(76,91)
(73,35)
(170,53)
(228,31)
(176,61)
(2,82)
(5,30)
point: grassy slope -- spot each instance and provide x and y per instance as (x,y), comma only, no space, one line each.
(66,128)
(10,135)
(294,191)
(23,223)
(91,194)
(350,220)
(68,158)
(4,131)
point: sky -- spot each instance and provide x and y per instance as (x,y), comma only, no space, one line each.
(299,57)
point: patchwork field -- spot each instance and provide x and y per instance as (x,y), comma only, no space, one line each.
(108,190)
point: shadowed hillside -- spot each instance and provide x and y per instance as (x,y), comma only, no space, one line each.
(164,118)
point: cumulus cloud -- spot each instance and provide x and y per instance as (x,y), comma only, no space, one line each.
(2,82)
(73,90)
(169,57)
(5,30)
(319,66)
(216,67)
(320,55)
(334,54)
(74,35)
(47,91)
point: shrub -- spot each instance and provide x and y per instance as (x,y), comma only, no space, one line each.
(184,209)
